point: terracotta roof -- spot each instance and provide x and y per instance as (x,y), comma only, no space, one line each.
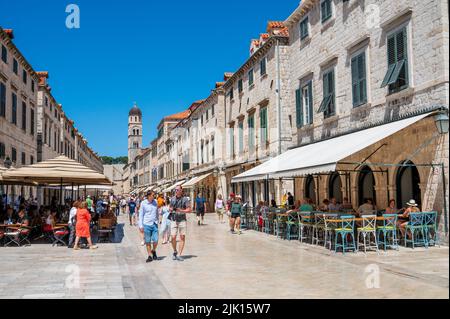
(42,75)
(264,36)
(178,116)
(283,32)
(275,25)
(219,84)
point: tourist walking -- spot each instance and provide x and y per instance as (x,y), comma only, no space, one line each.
(89,204)
(131,211)
(72,223)
(83,226)
(123,205)
(148,224)
(200,208)
(235,220)
(220,208)
(179,207)
(165,222)
(113,205)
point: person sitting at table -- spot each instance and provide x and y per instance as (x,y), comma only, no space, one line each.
(325,205)
(24,221)
(50,221)
(306,206)
(403,219)
(273,203)
(366,208)
(334,206)
(392,207)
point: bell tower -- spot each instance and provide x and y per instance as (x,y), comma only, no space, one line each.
(134,133)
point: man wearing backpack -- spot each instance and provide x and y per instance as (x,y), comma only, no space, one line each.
(200,208)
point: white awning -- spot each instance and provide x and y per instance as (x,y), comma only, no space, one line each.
(169,189)
(195,180)
(322,157)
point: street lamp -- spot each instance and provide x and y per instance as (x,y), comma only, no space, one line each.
(441,121)
(7,162)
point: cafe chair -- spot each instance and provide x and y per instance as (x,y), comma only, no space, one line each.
(430,228)
(2,237)
(292,223)
(346,229)
(267,222)
(104,230)
(368,230)
(280,226)
(305,223)
(12,236)
(25,233)
(416,228)
(318,227)
(59,235)
(389,231)
(329,229)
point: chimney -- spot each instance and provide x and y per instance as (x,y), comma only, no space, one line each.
(273,27)
(43,76)
(254,46)
(227,76)
(9,33)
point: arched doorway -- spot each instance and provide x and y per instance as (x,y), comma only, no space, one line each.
(366,185)
(407,183)
(335,187)
(310,188)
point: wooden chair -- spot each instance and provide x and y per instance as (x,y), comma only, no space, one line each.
(105,229)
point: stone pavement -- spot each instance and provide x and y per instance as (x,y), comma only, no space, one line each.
(220,265)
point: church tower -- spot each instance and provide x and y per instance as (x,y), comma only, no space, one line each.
(134,133)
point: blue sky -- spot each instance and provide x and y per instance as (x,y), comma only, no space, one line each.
(162,54)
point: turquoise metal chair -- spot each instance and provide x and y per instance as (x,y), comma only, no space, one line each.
(292,223)
(389,231)
(318,228)
(346,229)
(416,228)
(267,222)
(430,228)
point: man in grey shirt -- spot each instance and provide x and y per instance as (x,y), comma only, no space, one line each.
(179,207)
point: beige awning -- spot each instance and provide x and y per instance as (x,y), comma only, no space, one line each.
(195,180)
(58,170)
(169,189)
(13,181)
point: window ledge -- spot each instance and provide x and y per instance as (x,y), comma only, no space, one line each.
(330,118)
(401,94)
(264,76)
(305,41)
(362,107)
(251,87)
(327,24)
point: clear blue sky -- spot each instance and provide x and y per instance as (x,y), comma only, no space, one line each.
(162,54)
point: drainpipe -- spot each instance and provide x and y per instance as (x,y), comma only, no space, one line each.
(278,93)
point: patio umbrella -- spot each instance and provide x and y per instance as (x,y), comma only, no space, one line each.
(60,170)
(14,181)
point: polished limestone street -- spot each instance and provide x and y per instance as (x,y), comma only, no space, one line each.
(219,264)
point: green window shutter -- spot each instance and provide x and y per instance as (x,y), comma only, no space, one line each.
(240,86)
(304,28)
(299,107)
(355,81)
(263,66)
(329,107)
(362,78)
(326,96)
(311,108)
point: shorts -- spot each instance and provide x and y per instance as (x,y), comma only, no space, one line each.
(202,213)
(235,215)
(151,234)
(220,211)
(177,228)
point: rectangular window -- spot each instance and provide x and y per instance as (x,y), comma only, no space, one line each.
(241,137)
(250,78)
(207,115)
(32,121)
(24,76)
(212,111)
(23,159)
(264,128)
(304,105)
(14,155)
(15,67)
(231,94)
(31,160)
(304,28)
(240,86)
(359,83)
(328,103)
(4,54)
(263,66)
(2,150)
(14,108)
(326,10)
(2,100)
(213,149)
(160,132)
(24,116)
(251,133)
(397,73)
(32,86)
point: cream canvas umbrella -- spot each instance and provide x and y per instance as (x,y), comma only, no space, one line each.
(13,181)
(60,170)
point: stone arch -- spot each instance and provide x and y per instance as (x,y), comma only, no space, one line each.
(309,188)
(407,184)
(366,183)
(334,187)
